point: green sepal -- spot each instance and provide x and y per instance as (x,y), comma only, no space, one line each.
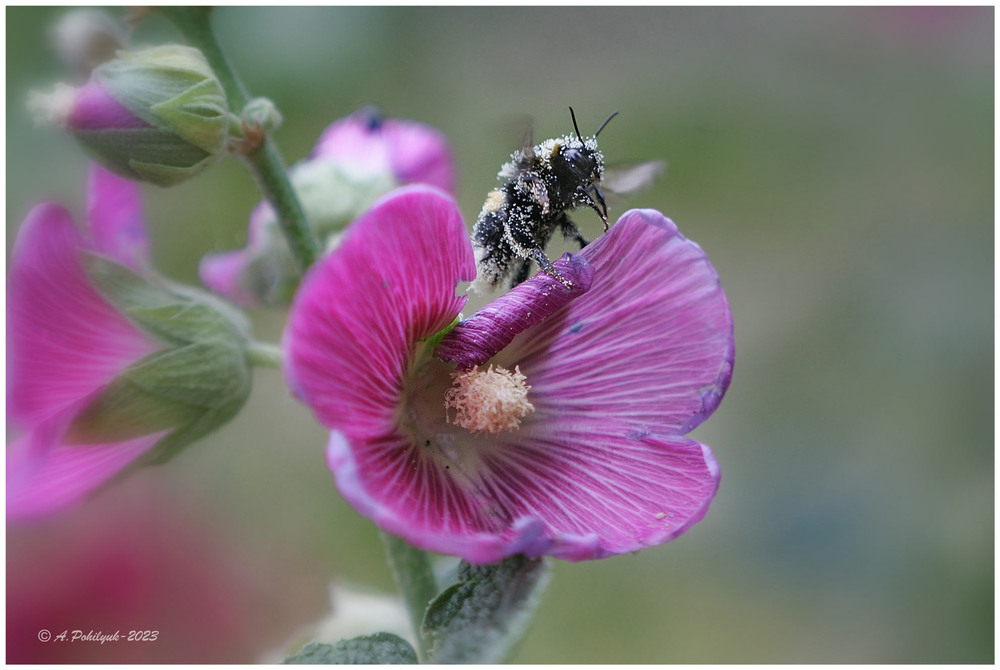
(165,160)
(196,383)
(171,313)
(198,114)
(189,390)
(485,612)
(380,648)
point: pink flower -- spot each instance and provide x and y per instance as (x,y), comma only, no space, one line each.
(89,387)
(594,387)
(366,142)
(356,160)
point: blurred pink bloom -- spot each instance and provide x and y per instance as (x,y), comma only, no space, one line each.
(356,160)
(134,560)
(615,376)
(105,359)
(66,343)
(411,151)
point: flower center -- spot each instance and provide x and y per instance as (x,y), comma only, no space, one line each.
(488,401)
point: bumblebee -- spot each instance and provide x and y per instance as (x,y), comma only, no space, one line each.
(539,185)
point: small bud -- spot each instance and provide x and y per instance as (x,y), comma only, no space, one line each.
(157,115)
(85,38)
(259,117)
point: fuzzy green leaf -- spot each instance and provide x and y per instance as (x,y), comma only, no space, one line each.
(480,617)
(364,650)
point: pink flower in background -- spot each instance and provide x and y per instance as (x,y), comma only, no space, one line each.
(571,443)
(65,343)
(366,142)
(356,160)
(105,360)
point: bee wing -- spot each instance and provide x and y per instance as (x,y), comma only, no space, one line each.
(623,178)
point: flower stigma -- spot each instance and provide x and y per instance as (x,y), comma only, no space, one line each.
(488,401)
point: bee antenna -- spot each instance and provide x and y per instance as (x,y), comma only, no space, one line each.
(575,127)
(603,124)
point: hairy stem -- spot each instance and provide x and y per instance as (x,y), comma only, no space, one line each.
(412,569)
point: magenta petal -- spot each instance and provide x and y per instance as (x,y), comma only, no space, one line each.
(95,109)
(484,334)
(64,341)
(599,493)
(651,343)
(420,154)
(223,273)
(359,311)
(356,142)
(114,212)
(45,476)
(578,496)
(418,504)
(413,152)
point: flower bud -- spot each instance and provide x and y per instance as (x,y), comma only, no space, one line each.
(190,387)
(157,115)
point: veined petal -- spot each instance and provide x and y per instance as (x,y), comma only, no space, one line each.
(64,340)
(576,496)
(45,476)
(484,334)
(650,344)
(361,311)
(114,212)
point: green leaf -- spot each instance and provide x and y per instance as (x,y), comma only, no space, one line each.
(481,616)
(365,650)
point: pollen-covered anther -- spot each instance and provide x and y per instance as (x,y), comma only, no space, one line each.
(488,401)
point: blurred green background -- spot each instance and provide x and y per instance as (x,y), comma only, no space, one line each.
(836,164)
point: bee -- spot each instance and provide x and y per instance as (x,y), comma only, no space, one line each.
(539,185)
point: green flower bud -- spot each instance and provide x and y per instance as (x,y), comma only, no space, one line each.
(157,115)
(198,381)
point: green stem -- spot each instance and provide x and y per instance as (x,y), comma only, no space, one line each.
(264,355)
(265,163)
(415,578)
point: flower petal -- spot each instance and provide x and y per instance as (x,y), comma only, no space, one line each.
(651,343)
(365,143)
(95,109)
(359,311)
(45,476)
(420,154)
(481,336)
(64,340)
(575,496)
(114,212)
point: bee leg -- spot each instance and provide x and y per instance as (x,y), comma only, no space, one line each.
(522,273)
(601,209)
(547,266)
(571,232)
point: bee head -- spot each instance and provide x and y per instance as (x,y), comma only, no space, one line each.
(578,161)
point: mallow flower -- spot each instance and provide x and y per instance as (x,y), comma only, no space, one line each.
(108,365)
(356,160)
(551,422)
